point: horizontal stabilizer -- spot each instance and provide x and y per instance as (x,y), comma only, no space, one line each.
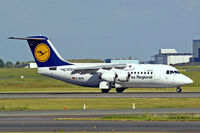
(27,38)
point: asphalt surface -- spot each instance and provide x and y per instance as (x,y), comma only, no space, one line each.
(100,111)
(48,124)
(102,95)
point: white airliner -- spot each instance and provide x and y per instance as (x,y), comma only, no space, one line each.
(102,75)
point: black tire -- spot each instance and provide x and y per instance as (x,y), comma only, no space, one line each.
(105,90)
(120,90)
(179,90)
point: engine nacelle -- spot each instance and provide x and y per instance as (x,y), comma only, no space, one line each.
(110,77)
(123,77)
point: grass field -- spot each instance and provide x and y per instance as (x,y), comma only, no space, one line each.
(145,117)
(187,67)
(10,81)
(97,103)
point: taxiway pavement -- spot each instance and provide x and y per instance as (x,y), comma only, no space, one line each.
(102,95)
(100,111)
(49,124)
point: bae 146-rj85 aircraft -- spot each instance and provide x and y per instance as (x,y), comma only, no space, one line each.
(103,75)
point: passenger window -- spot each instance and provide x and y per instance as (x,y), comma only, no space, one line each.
(148,73)
(151,72)
(144,72)
(167,72)
(134,72)
(138,73)
(131,72)
(141,72)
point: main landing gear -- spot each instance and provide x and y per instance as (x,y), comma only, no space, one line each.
(178,89)
(105,90)
(120,90)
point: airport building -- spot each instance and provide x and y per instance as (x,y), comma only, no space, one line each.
(171,56)
(129,60)
(196,51)
(32,65)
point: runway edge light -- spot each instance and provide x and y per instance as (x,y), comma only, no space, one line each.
(133,105)
(84,106)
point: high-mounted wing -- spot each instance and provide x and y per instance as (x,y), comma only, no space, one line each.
(94,69)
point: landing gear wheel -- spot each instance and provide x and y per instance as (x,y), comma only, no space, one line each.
(105,90)
(120,90)
(179,90)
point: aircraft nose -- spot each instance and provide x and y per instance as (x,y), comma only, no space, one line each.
(190,81)
(187,80)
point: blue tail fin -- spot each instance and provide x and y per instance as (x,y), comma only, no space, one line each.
(44,52)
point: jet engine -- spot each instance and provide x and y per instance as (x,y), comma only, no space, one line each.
(110,77)
(123,77)
(114,77)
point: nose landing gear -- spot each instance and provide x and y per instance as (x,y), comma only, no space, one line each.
(178,89)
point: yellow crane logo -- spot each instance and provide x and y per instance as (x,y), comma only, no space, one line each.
(42,52)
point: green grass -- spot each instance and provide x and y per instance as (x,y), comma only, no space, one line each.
(154,117)
(17,72)
(145,117)
(97,103)
(187,67)
(14,108)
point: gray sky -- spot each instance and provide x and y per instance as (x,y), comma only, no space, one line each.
(99,28)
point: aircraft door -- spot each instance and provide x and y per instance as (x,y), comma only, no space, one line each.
(156,74)
(159,74)
(68,74)
(172,77)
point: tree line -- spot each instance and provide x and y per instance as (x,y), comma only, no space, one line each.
(10,64)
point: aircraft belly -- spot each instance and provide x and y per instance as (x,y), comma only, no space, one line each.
(93,80)
(86,80)
(147,83)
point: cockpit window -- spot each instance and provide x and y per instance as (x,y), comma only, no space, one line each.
(171,72)
(177,72)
